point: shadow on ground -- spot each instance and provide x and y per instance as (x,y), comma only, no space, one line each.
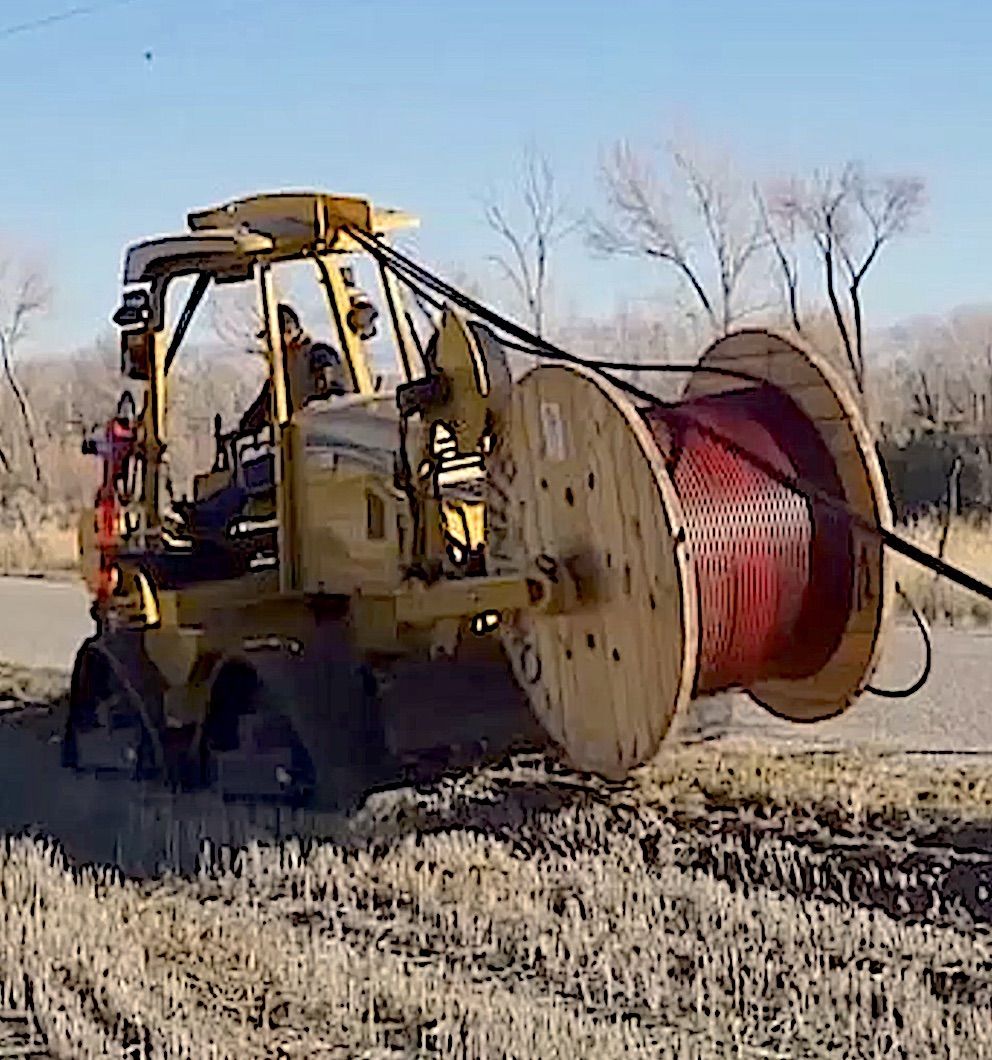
(930,870)
(146,829)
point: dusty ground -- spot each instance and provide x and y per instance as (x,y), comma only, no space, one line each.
(717,905)
(748,896)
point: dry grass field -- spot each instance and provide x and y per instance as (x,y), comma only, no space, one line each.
(718,904)
(969,546)
(49,546)
(723,902)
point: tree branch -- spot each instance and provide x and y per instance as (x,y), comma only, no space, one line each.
(849,219)
(547,224)
(643,224)
(29,298)
(789,268)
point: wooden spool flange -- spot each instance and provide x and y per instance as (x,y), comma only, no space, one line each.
(581,481)
(585,485)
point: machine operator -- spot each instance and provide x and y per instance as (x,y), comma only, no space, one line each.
(315,371)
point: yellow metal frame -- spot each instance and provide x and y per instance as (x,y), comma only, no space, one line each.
(338,302)
(235,241)
(241,241)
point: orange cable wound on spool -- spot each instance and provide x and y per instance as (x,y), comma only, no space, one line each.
(773,567)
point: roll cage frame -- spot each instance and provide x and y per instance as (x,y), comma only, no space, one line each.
(240,242)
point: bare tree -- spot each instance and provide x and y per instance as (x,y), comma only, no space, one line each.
(236,320)
(947,371)
(713,242)
(849,218)
(781,233)
(23,296)
(547,222)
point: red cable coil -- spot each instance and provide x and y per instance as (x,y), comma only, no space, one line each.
(773,567)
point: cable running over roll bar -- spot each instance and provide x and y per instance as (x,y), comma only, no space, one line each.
(414,274)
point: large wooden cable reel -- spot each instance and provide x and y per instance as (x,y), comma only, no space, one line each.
(584,479)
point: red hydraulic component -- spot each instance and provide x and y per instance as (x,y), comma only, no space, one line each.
(116,447)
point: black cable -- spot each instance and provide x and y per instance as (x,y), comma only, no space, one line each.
(911,690)
(810,491)
(674,367)
(414,276)
(541,347)
(382,251)
(60,16)
(186,317)
(421,296)
(532,344)
(418,288)
(937,566)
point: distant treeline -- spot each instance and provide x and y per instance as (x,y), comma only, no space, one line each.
(935,469)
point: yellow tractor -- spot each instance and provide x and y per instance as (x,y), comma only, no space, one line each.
(464,562)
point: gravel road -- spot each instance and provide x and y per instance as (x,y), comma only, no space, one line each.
(951,713)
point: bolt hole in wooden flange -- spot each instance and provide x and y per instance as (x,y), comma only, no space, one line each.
(616,669)
(830,405)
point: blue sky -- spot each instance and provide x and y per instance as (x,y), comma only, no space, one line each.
(426,106)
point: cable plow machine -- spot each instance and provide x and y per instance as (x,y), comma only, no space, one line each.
(462,563)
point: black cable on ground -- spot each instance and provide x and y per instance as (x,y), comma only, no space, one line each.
(910,690)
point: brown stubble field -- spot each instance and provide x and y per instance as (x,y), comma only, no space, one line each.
(723,902)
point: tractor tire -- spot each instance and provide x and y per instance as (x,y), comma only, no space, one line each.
(344,738)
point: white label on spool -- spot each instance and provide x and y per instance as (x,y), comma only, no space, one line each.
(553,430)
